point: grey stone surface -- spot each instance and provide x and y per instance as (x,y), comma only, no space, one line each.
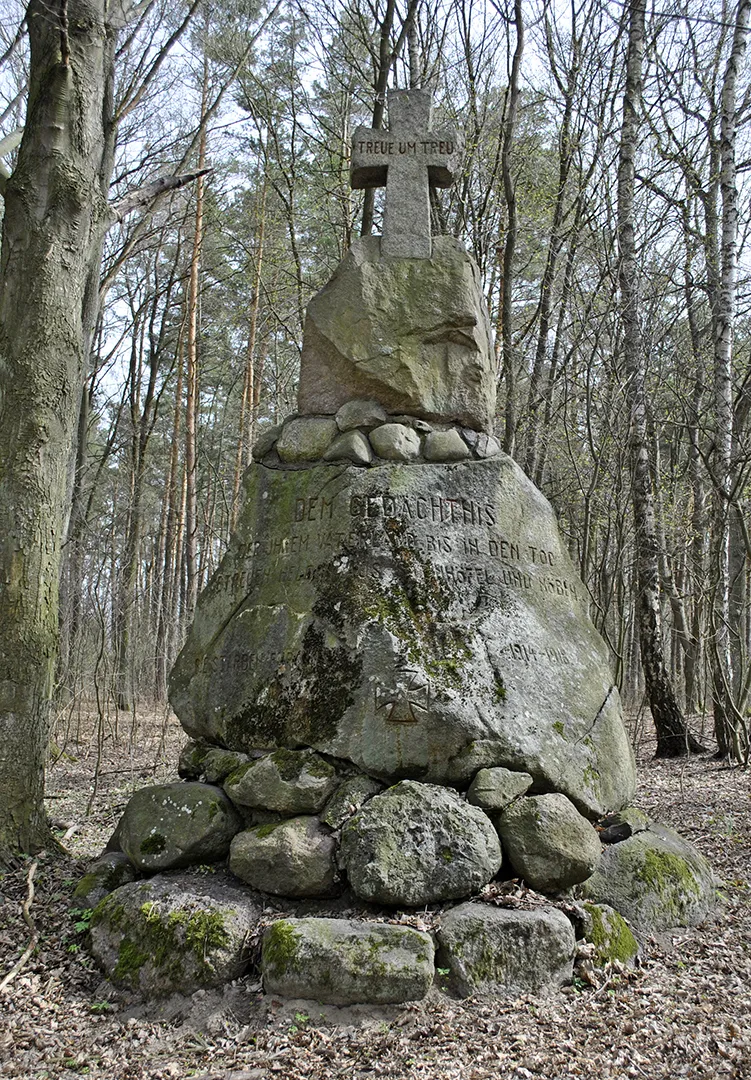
(103,876)
(655,879)
(360,413)
(610,935)
(395,442)
(348,799)
(350,446)
(487,446)
(420,343)
(218,764)
(548,842)
(265,441)
(174,934)
(422,621)
(445,446)
(492,950)
(494,789)
(406,158)
(190,761)
(292,858)
(170,826)
(418,844)
(342,962)
(287,782)
(306,438)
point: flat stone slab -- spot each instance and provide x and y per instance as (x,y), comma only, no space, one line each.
(174,934)
(419,844)
(491,950)
(548,842)
(343,962)
(494,789)
(170,826)
(656,879)
(417,621)
(420,342)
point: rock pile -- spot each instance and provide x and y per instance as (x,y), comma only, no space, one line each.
(394,691)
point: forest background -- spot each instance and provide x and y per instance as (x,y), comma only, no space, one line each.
(203,289)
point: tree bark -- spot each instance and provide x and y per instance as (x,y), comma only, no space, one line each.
(53,227)
(673,737)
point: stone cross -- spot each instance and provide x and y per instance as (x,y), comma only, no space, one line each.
(406,158)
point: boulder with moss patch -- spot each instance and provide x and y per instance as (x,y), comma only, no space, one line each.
(104,875)
(610,934)
(287,782)
(287,858)
(656,879)
(419,844)
(491,950)
(170,826)
(174,934)
(342,962)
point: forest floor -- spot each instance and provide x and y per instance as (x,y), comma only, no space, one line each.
(684,1011)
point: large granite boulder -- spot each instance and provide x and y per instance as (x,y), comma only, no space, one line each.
(656,879)
(417,844)
(419,342)
(174,934)
(170,826)
(491,950)
(418,621)
(342,962)
(548,842)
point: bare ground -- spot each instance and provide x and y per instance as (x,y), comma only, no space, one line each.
(685,1011)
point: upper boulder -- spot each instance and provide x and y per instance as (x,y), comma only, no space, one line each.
(413,334)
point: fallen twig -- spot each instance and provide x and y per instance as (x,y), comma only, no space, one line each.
(34,938)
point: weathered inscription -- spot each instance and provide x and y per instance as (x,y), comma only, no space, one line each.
(402,147)
(531,654)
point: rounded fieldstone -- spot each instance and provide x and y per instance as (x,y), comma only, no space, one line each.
(360,413)
(169,826)
(266,441)
(350,446)
(656,879)
(103,876)
(293,858)
(419,844)
(288,782)
(548,842)
(493,950)
(348,799)
(306,438)
(218,764)
(495,789)
(343,961)
(174,934)
(445,446)
(395,442)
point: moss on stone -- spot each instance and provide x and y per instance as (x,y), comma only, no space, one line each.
(130,960)
(262,831)
(280,945)
(666,872)
(611,938)
(154,844)
(559,727)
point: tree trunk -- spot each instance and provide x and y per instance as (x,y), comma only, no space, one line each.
(54,223)
(673,737)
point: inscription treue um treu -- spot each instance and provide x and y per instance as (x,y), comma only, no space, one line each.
(407,159)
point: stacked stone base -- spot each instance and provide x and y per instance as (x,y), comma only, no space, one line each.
(393,890)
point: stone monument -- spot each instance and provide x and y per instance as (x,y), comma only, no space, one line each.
(392,682)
